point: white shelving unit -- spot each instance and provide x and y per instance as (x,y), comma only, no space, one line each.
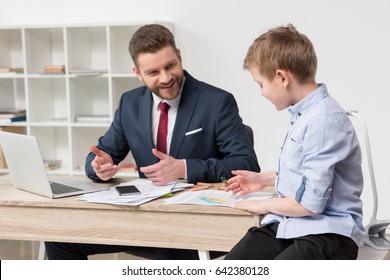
(98,69)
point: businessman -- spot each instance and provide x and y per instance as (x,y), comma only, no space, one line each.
(176,128)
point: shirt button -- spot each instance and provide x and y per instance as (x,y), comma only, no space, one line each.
(292,123)
(299,114)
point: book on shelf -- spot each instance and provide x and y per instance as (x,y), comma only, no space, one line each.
(11,70)
(54,69)
(12,112)
(52,163)
(12,120)
(93,118)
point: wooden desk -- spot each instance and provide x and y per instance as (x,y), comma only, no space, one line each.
(26,216)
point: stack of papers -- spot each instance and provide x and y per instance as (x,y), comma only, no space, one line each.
(148,190)
(215,198)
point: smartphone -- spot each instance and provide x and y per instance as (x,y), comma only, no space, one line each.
(127,190)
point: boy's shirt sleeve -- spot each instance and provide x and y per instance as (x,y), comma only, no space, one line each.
(324,144)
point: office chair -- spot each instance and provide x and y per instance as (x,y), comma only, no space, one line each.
(376,229)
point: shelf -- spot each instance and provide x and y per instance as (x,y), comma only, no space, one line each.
(12,93)
(50,92)
(97,71)
(44,46)
(11,48)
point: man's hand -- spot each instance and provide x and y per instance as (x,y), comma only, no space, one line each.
(167,170)
(103,165)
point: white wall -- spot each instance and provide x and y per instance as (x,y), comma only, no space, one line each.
(351,38)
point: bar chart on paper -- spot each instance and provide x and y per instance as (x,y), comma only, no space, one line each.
(215,198)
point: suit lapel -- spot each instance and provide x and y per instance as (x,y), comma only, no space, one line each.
(184,115)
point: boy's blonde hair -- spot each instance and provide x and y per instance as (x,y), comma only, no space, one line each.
(283,48)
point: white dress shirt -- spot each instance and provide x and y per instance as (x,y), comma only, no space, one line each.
(172,113)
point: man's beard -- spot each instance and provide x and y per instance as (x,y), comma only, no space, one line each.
(173,92)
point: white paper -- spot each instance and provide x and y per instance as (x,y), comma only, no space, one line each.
(148,190)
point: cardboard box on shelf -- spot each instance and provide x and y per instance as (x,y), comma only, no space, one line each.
(13,129)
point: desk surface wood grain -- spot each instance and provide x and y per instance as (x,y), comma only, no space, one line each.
(26,216)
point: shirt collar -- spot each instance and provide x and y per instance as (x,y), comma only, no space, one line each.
(309,101)
(174,103)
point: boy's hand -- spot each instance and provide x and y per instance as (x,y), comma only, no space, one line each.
(246,182)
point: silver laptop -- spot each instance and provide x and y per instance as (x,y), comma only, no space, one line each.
(28,172)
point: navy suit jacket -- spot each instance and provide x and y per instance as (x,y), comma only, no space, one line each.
(220,147)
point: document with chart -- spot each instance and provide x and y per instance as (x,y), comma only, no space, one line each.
(215,198)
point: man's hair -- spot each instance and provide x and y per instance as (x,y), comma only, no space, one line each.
(283,48)
(150,38)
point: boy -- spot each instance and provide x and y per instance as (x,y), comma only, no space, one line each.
(318,212)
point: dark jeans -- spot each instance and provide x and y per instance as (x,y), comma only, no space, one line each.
(262,244)
(78,251)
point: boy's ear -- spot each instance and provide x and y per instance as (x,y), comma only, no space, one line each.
(283,76)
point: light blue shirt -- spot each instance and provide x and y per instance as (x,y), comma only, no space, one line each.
(320,165)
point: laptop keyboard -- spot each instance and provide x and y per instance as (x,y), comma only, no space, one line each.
(58,188)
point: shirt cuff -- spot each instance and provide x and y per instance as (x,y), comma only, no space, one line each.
(185,169)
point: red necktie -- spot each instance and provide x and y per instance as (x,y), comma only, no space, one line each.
(162,128)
